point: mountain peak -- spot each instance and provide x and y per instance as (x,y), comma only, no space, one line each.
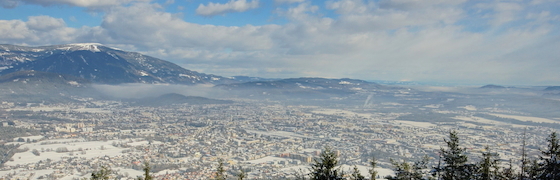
(93,47)
(86,46)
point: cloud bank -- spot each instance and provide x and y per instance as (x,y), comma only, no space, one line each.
(137,91)
(287,1)
(440,41)
(213,9)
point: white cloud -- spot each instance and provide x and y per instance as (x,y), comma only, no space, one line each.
(506,12)
(502,12)
(145,26)
(301,13)
(79,3)
(45,30)
(360,16)
(287,1)
(13,29)
(213,9)
(9,3)
(45,23)
(537,2)
(37,30)
(169,2)
(349,6)
(415,4)
(543,17)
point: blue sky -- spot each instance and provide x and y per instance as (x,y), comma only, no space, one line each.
(449,41)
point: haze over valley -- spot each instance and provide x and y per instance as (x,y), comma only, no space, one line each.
(68,120)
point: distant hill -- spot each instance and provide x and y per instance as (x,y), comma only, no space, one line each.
(552,92)
(242,79)
(100,64)
(552,88)
(492,86)
(318,88)
(174,98)
(35,86)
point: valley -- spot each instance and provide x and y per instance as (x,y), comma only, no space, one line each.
(68,121)
(268,139)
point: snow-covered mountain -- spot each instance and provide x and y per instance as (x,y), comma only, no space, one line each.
(99,64)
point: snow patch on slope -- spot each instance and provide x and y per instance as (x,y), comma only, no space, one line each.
(93,47)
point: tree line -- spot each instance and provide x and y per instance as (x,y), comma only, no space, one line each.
(453,164)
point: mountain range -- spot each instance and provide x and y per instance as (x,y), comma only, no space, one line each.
(100,64)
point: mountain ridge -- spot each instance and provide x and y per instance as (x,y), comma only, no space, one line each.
(304,87)
(100,64)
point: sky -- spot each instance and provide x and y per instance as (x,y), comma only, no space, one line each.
(514,42)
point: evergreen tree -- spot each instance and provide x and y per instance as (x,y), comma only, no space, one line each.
(406,171)
(220,171)
(489,165)
(436,172)
(509,172)
(550,164)
(102,174)
(241,174)
(356,175)
(300,175)
(372,171)
(325,167)
(146,169)
(533,169)
(455,159)
(524,162)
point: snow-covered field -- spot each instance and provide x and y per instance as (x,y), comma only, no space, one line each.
(266,159)
(469,107)
(341,112)
(486,121)
(75,147)
(27,174)
(49,109)
(130,172)
(143,142)
(416,124)
(526,118)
